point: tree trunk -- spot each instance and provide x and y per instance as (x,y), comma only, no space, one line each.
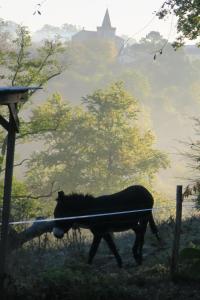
(16,240)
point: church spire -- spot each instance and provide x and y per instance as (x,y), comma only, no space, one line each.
(106,20)
(106,30)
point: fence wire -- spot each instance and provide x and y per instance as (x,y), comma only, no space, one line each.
(99,215)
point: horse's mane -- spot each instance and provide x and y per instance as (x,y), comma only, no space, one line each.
(76,201)
(79,197)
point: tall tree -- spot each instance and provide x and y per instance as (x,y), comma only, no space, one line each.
(98,148)
(187,13)
(22,65)
(192,155)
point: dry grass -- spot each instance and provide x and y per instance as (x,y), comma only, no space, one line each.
(50,269)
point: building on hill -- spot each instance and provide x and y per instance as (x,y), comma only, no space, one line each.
(105,32)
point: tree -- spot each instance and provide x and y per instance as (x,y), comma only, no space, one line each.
(98,148)
(22,66)
(188,14)
(188,27)
(51,32)
(152,41)
(192,154)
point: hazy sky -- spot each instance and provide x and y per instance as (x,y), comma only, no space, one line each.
(129,16)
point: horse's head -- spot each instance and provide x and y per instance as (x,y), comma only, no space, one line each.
(61,226)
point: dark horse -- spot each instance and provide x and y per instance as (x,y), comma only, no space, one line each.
(132,198)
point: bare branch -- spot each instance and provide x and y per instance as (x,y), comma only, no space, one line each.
(45,80)
(20,56)
(42,65)
(40,131)
(17,165)
(36,132)
(37,197)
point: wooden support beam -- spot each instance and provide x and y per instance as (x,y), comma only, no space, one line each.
(10,98)
(13,112)
(7,200)
(4,123)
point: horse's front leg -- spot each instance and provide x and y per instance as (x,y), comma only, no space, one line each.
(108,238)
(94,247)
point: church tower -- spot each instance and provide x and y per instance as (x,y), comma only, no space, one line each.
(106,30)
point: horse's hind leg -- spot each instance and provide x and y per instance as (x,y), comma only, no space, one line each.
(108,238)
(94,247)
(136,245)
(140,231)
(143,231)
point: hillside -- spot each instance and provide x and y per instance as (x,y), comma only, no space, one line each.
(166,87)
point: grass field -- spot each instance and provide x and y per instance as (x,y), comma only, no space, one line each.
(47,268)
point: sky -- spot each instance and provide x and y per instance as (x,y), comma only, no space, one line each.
(133,18)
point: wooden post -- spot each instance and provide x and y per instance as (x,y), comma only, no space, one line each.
(177,231)
(7,197)
(9,96)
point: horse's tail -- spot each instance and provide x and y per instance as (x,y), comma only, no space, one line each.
(153,226)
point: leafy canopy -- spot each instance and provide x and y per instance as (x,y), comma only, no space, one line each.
(188,14)
(99,147)
(23,64)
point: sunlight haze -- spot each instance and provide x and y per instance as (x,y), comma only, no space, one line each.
(132,18)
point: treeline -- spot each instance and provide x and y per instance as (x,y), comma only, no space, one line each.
(103,143)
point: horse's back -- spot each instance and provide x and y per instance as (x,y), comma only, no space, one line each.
(133,197)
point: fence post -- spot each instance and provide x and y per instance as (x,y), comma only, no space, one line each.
(177,232)
(6,204)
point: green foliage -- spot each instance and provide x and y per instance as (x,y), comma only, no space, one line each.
(22,208)
(190,259)
(92,53)
(51,116)
(24,67)
(97,148)
(96,65)
(192,154)
(190,254)
(188,14)
(160,84)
